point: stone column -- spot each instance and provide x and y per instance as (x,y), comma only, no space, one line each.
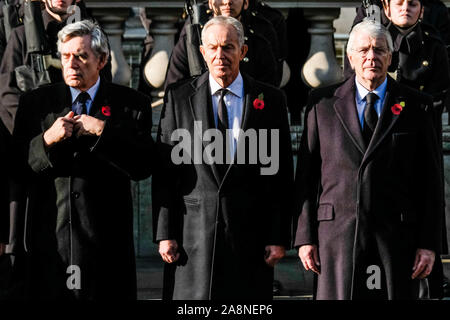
(113,22)
(163,30)
(321,67)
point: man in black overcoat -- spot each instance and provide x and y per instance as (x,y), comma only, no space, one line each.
(222,225)
(368,180)
(79,143)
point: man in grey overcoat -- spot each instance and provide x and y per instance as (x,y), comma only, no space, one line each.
(368,181)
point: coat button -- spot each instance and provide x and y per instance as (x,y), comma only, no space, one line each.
(251,31)
(76,195)
(246,59)
(425,63)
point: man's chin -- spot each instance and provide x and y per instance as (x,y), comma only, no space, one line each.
(73,83)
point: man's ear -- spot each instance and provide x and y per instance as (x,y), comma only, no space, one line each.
(350,60)
(246,4)
(387,9)
(102,62)
(202,50)
(244,50)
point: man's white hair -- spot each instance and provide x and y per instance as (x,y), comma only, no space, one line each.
(99,41)
(226,21)
(373,29)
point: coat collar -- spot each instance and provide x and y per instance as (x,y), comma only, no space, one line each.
(201,91)
(409,42)
(387,118)
(63,101)
(346,112)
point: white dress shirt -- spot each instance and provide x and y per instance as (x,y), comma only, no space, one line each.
(234,101)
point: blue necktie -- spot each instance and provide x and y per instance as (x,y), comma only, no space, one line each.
(80,103)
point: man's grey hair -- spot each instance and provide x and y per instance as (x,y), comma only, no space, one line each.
(99,41)
(373,29)
(225,21)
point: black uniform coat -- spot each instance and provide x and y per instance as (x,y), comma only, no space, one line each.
(79,208)
(389,191)
(221,224)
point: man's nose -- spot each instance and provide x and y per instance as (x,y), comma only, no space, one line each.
(371,54)
(406,5)
(71,62)
(220,52)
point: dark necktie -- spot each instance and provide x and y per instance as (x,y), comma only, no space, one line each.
(370,117)
(222,125)
(80,103)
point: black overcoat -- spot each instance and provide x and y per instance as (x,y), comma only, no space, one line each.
(221,223)
(79,206)
(390,191)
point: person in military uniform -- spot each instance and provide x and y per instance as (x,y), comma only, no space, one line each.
(263,18)
(435,16)
(260,37)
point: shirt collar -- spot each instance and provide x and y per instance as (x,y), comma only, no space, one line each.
(92,91)
(361,92)
(236,87)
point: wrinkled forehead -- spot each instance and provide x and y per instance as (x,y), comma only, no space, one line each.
(77,44)
(363,40)
(220,33)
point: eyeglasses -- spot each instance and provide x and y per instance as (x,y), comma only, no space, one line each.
(377,51)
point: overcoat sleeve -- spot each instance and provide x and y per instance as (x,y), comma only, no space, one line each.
(430,194)
(307,182)
(166,179)
(4,183)
(281,186)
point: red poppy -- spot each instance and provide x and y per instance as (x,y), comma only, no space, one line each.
(396,109)
(258,104)
(106,110)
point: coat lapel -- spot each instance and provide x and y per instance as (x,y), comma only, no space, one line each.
(203,113)
(386,121)
(249,114)
(345,107)
(62,103)
(250,94)
(100,101)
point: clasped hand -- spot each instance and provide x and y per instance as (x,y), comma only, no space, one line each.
(65,127)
